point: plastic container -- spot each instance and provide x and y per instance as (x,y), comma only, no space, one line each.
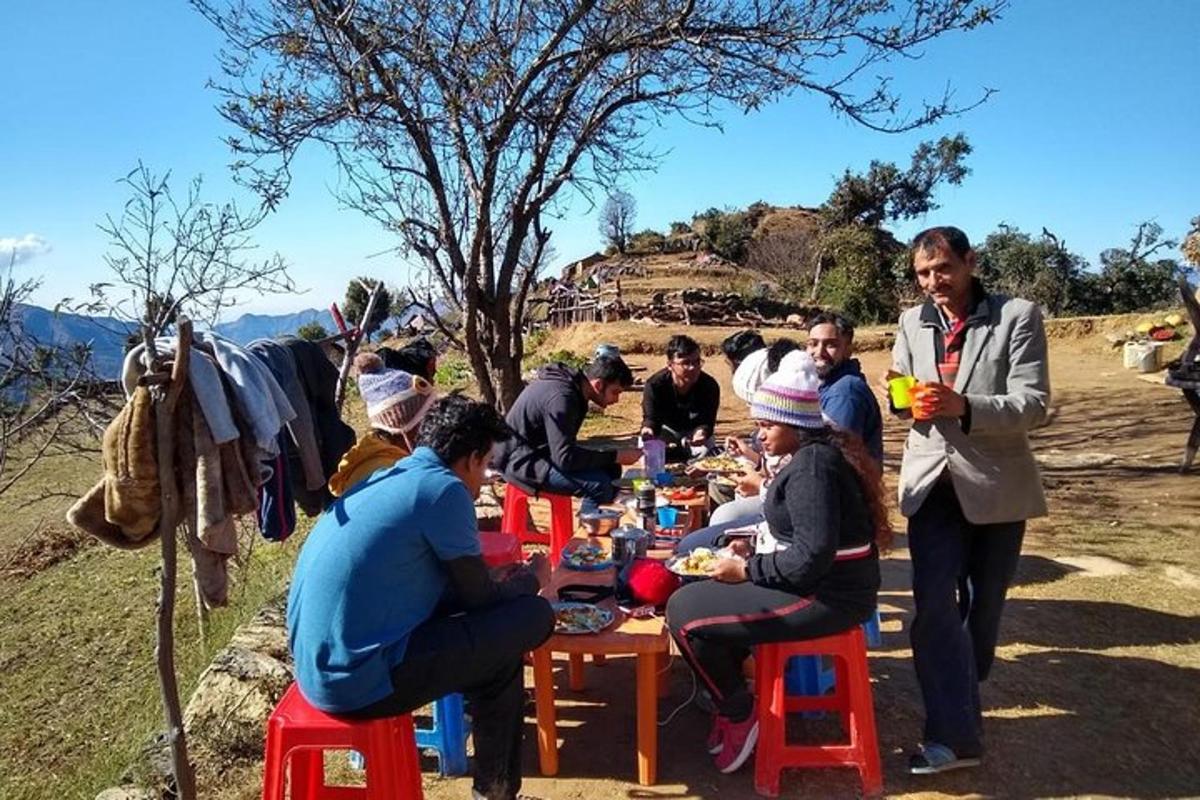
(921,409)
(1143,356)
(654,455)
(667,516)
(900,390)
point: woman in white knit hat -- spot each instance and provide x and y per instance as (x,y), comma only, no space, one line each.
(816,569)
(396,403)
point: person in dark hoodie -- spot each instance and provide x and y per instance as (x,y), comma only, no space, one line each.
(846,398)
(543,452)
(418,357)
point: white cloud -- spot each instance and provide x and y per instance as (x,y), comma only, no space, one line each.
(18,251)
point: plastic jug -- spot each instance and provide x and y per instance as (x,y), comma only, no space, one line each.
(654,455)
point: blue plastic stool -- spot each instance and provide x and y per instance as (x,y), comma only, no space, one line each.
(871,630)
(808,676)
(448,736)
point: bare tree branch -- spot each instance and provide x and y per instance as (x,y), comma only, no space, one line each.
(458,125)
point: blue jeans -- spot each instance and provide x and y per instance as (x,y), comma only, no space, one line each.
(738,508)
(595,486)
(960,574)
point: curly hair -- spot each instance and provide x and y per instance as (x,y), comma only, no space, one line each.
(870,476)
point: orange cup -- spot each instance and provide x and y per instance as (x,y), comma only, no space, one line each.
(922,408)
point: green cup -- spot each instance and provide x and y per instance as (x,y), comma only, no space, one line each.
(901,391)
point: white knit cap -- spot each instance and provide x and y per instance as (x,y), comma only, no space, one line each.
(750,374)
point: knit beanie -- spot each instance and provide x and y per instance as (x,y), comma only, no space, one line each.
(790,396)
(750,374)
(396,400)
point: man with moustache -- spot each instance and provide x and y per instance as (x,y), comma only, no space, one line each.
(968,480)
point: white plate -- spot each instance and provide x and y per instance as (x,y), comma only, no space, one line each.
(674,564)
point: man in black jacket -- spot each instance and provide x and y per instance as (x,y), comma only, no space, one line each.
(544,453)
(681,397)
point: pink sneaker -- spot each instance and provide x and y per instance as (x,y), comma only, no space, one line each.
(740,738)
(716,736)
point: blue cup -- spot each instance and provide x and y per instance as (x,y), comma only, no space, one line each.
(667,516)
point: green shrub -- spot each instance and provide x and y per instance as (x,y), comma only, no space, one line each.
(726,233)
(535,339)
(567,357)
(453,372)
(647,241)
(312,331)
(859,279)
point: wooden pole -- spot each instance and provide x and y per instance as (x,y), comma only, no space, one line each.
(352,343)
(165,399)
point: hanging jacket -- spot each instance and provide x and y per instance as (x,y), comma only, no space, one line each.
(319,377)
(276,505)
(204,379)
(282,365)
(122,510)
(256,393)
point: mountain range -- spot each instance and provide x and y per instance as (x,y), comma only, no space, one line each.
(107,335)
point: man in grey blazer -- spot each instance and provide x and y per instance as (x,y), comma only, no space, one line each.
(968,480)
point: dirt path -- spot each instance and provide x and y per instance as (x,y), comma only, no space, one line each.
(1097,690)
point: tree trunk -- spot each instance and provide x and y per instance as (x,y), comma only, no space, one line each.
(476,353)
(494,349)
(164,648)
(816,284)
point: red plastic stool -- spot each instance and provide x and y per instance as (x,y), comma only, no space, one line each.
(299,733)
(516,513)
(499,548)
(851,698)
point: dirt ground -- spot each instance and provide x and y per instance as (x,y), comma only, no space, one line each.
(1097,689)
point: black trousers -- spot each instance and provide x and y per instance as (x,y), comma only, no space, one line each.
(480,654)
(715,625)
(960,573)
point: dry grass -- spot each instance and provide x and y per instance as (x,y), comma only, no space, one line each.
(1095,694)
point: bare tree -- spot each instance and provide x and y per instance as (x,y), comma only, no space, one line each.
(459,125)
(175,260)
(51,402)
(616,219)
(1191,243)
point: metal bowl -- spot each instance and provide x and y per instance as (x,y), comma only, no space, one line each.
(600,523)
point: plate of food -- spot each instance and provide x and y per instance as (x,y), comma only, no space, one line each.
(699,562)
(724,481)
(579,618)
(586,557)
(682,494)
(718,464)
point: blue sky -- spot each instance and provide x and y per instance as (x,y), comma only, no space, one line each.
(1093,128)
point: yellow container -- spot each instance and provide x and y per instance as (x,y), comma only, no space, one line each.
(901,391)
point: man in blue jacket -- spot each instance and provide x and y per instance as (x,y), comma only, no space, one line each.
(846,398)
